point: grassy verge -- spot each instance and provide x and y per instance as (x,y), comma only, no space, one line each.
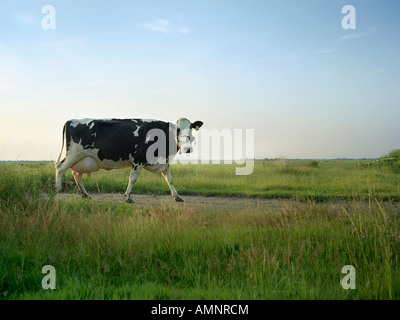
(106,251)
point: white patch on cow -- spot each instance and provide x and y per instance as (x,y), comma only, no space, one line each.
(94,134)
(91,126)
(76,148)
(75,122)
(136,132)
(148,120)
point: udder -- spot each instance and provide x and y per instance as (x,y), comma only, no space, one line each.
(156,168)
(86,165)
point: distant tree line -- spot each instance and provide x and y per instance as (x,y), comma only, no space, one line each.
(392,160)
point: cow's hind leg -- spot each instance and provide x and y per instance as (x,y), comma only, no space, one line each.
(78,178)
(60,170)
(168,177)
(135,172)
(63,166)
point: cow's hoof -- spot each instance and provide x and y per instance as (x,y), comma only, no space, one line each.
(129,201)
(178,199)
(86,196)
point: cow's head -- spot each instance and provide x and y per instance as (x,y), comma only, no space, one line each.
(184,134)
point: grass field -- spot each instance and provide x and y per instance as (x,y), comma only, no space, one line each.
(104,250)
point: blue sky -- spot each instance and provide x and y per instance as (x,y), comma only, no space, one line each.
(286,69)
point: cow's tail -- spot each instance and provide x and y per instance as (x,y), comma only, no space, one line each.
(62,146)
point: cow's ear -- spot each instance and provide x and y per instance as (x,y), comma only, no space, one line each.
(196,125)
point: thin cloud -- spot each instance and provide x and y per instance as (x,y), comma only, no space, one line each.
(167,26)
(324,51)
(355,35)
(159,25)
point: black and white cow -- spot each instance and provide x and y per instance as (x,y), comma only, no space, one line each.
(94,144)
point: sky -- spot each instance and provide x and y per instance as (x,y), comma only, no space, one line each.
(286,69)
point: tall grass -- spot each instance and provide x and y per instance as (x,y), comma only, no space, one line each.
(106,251)
(24,182)
(111,251)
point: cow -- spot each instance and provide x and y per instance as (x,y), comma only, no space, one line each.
(94,144)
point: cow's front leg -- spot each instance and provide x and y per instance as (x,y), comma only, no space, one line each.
(132,179)
(168,177)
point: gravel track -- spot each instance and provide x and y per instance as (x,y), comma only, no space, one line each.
(218,204)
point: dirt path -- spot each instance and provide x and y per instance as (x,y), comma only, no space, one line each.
(200,202)
(219,203)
